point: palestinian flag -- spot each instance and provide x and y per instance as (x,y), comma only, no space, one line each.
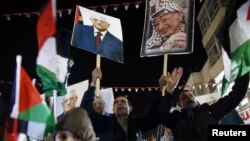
(235,39)
(29,107)
(52,67)
(78,16)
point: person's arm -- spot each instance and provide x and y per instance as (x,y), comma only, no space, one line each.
(160,113)
(88,97)
(171,97)
(232,100)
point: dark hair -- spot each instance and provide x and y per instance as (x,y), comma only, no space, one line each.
(125,96)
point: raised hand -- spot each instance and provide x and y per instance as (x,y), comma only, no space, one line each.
(171,80)
(96,73)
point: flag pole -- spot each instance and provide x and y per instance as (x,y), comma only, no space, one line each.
(165,61)
(97,85)
(34,82)
(17,84)
(55,103)
(15,109)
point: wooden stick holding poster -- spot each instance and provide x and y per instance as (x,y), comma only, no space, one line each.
(165,62)
(97,86)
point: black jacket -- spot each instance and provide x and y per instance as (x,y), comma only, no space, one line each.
(192,124)
(107,128)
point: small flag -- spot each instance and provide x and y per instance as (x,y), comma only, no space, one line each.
(52,67)
(29,107)
(234,36)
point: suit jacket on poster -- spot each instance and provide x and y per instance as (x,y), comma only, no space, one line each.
(110,47)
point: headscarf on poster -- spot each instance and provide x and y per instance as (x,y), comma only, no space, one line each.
(168,27)
(98,33)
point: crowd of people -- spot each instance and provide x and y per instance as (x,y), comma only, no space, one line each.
(188,122)
(90,121)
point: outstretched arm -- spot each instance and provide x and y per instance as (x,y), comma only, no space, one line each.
(232,100)
(171,80)
(89,95)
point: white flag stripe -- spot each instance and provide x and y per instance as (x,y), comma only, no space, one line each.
(47,55)
(62,69)
(242,12)
(239,32)
(34,128)
(227,64)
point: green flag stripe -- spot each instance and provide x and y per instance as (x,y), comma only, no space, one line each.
(38,113)
(240,61)
(49,80)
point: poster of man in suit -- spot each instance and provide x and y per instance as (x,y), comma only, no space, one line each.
(98,33)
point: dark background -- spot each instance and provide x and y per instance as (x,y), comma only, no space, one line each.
(18,36)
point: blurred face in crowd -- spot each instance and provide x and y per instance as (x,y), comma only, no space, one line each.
(98,105)
(99,23)
(187,100)
(69,101)
(66,136)
(168,24)
(121,107)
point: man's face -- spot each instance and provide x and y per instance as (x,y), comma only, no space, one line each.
(187,100)
(100,23)
(121,107)
(98,105)
(69,101)
(168,24)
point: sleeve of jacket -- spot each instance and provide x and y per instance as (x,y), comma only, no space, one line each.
(232,100)
(88,99)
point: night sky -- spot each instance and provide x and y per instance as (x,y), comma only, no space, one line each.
(18,36)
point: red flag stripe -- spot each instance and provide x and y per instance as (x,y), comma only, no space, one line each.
(248,13)
(46,26)
(29,95)
(77,15)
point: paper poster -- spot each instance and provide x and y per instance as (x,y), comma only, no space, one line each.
(168,27)
(79,89)
(98,33)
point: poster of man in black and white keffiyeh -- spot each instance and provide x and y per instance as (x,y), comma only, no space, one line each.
(168,27)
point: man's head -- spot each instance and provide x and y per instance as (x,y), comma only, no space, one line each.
(99,23)
(121,107)
(98,104)
(69,101)
(75,125)
(168,18)
(187,99)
